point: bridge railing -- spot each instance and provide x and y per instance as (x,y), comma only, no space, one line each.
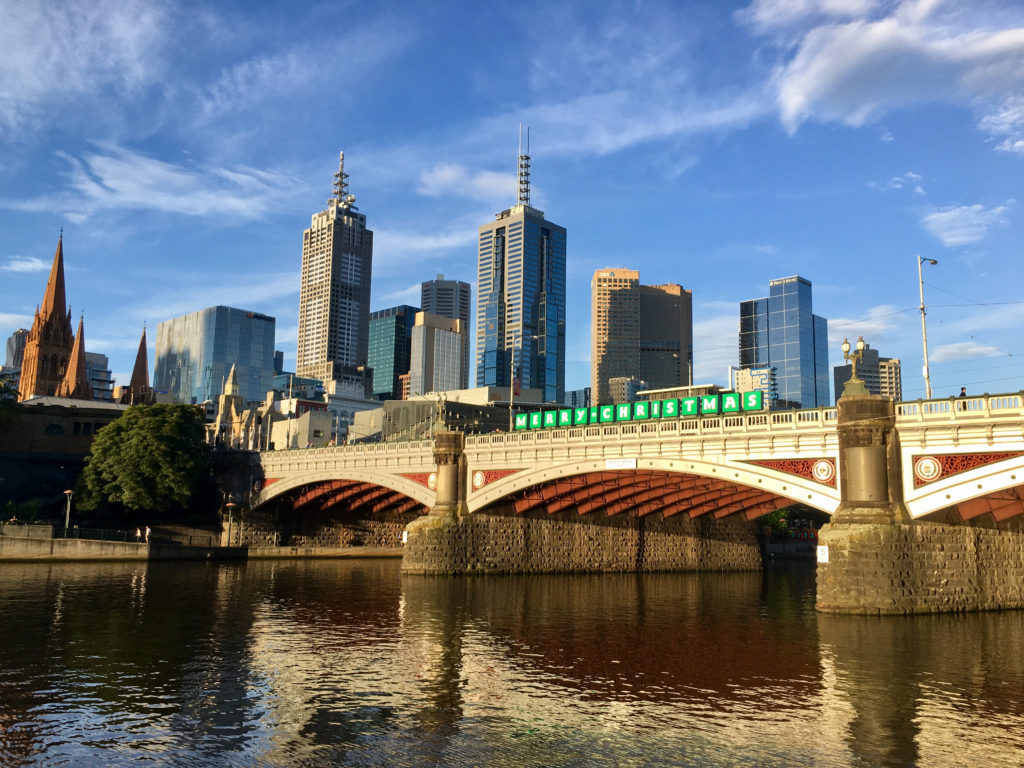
(762,421)
(366,449)
(1009,406)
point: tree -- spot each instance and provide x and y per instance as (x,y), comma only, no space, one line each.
(153,458)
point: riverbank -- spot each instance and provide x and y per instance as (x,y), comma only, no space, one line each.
(35,549)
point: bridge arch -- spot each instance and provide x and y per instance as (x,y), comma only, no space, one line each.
(996,487)
(399,485)
(653,484)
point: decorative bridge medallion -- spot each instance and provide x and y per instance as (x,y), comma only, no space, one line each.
(483,477)
(821,470)
(928,469)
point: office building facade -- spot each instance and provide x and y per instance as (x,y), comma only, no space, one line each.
(101,380)
(447,298)
(782,332)
(389,349)
(639,331)
(195,352)
(440,355)
(334,294)
(520,318)
(881,375)
(16,348)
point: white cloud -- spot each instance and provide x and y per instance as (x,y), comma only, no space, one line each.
(117,179)
(68,54)
(964,224)
(715,339)
(963,350)
(25,264)
(855,71)
(772,14)
(13,320)
(1006,122)
(452,179)
(874,326)
(409,295)
(908,179)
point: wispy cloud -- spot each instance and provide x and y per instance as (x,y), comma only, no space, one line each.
(963,350)
(453,179)
(73,55)
(875,325)
(116,179)
(25,264)
(908,180)
(408,295)
(845,51)
(14,320)
(964,224)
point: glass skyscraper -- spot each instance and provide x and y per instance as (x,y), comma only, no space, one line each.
(390,343)
(520,318)
(195,352)
(782,332)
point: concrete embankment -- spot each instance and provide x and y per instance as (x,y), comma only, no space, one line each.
(26,549)
(33,549)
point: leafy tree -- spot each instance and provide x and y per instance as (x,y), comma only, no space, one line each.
(8,402)
(153,458)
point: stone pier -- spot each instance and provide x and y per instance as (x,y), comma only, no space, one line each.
(873,559)
(449,541)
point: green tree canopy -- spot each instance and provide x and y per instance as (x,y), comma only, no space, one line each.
(151,458)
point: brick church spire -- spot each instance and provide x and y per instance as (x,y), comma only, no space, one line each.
(138,390)
(50,340)
(76,384)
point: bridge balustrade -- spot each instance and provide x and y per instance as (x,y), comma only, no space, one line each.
(1009,406)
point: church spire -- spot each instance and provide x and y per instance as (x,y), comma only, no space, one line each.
(54,300)
(231,386)
(138,390)
(76,384)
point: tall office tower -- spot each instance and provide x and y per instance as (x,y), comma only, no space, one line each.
(881,375)
(639,331)
(440,354)
(101,380)
(49,343)
(390,345)
(615,329)
(520,316)
(16,348)
(195,352)
(447,298)
(666,335)
(781,332)
(334,296)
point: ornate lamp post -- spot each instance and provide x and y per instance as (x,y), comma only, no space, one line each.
(855,385)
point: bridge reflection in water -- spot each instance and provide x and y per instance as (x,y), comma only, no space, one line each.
(349,663)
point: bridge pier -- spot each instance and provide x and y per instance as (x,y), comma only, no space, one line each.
(874,559)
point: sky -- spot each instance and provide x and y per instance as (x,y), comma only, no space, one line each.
(183,148)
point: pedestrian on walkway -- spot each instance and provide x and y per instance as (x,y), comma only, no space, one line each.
(147,534)
(138,535)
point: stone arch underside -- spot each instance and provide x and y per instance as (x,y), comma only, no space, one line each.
(368,493)
(642,492)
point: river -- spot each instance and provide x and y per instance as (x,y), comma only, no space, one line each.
(348,663)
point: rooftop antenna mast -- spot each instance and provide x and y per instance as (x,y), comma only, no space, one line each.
(341,180)
(524,167)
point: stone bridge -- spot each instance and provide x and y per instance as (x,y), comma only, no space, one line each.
(679,492)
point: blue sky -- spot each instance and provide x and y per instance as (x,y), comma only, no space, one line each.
(183,148)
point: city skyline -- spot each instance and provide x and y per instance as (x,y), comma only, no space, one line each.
(716,146)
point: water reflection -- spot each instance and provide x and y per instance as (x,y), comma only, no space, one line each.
(349,663)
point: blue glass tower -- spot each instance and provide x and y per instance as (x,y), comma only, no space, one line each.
(782,332)
(520,321)
(195,352)
(389,348)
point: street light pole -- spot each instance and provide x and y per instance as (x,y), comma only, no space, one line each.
(924,331)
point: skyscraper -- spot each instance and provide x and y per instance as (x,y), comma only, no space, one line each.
(195,353)
(390,344)
(643,332)
(520,319)
(781,332)
(440,354)
(16,348)
(334,295)
(447,298)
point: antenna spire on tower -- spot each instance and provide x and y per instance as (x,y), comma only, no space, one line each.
(341,180)
(523,167)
